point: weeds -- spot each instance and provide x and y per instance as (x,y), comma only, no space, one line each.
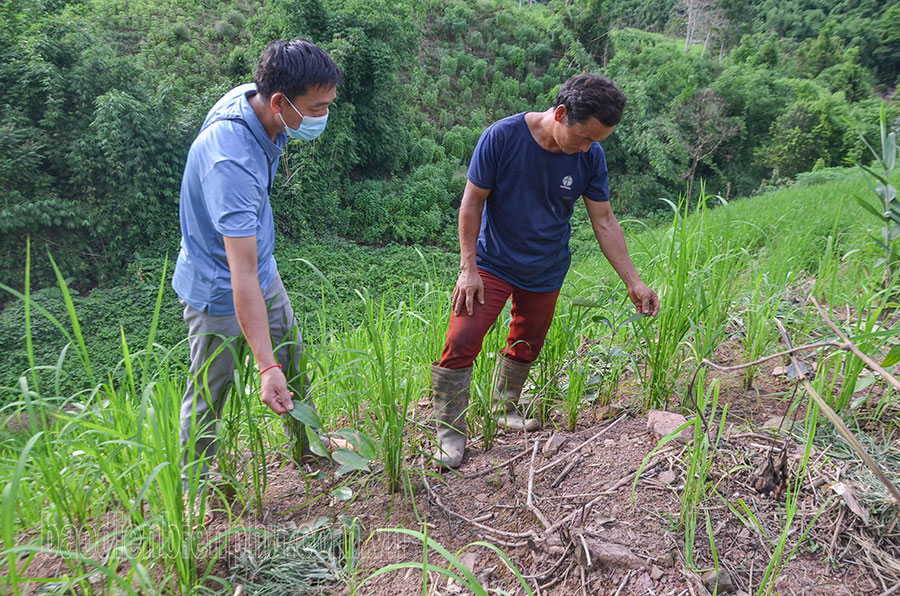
(573,399)
(701,451)
(780,554)
(455,570)
(759,331)
(695,275)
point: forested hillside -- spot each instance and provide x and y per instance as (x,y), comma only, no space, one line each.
(101,99)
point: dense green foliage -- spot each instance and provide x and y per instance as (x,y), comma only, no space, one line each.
(101,99)
(819,31)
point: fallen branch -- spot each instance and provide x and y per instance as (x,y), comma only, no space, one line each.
(566,470)
(628,477)
(439,503)
(579,447)
(624,581)
(529,500)
(839,423)
(545,574)
(721,368)
(559,577)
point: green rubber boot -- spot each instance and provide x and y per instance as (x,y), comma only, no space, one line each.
(450,396)
(509,389)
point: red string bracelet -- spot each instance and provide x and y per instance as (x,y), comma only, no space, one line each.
(268,367)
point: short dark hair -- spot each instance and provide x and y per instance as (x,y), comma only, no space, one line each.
(292,67)
(588,95)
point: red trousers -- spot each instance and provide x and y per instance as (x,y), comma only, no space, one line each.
(532,313)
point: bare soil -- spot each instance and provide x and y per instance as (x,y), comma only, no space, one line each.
(592,507)
(487,500)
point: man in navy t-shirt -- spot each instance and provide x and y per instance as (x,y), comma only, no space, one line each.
(526,174)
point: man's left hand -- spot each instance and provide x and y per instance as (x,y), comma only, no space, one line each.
(645,300)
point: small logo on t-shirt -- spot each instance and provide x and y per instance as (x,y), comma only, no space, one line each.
(567,183)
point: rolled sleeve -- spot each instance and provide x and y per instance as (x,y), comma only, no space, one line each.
(598,187)
(483,167)
(233,198)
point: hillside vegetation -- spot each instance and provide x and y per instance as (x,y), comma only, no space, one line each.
(103,97)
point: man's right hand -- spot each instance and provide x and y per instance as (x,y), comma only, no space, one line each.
(469,288)
(275,393)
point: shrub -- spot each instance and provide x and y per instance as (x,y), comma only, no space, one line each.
(448,65)
(180,32)
(475,40)
(236,19)
(223,30)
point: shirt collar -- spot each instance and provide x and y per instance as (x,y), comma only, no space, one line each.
(273,150)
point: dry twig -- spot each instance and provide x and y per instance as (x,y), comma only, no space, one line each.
(566,470)
(439,503)
(529,500)
(838,422)
(579,447)
(624,581)
(496,467)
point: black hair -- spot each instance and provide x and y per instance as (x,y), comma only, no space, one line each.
(588,95)
(292,67)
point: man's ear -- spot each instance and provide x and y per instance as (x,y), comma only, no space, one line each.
(276,101)
(560,113)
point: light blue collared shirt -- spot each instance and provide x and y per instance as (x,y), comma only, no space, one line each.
(225,192)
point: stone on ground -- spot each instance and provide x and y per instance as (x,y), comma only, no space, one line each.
(662,423)
(553,444)
(722,578)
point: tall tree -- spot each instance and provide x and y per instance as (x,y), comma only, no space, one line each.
(700,16)
(707,126)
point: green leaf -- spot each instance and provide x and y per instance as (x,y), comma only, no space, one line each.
(874,174)
(893,356)
(306,414)
(350,459)
(633,318)
(890,151)
(879,242)
(863,383)
(362,443)
(315,443)
(342,493)
(868,207)
(603,320)
(587,303)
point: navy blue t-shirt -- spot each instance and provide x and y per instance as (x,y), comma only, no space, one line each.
(524,237)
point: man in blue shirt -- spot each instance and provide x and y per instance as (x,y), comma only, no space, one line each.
(525,176)
(226,275)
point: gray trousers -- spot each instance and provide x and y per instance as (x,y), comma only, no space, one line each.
(212,375)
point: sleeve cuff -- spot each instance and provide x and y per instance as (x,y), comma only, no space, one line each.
(478,183)
(235,233)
